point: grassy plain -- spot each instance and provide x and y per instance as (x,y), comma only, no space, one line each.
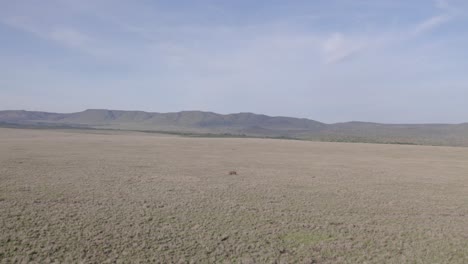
(118,197)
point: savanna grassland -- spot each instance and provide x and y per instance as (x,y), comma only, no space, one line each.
(119,197)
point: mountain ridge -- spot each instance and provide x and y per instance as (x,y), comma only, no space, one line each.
(246,123)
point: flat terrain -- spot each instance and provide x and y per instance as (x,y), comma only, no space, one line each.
(96,197)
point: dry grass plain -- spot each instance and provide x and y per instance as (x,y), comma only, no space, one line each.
(102,197)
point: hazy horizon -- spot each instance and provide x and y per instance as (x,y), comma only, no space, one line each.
(332,61)
(231,113)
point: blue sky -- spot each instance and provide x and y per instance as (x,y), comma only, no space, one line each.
(388,61)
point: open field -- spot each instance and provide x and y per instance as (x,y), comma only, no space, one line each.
(96,197)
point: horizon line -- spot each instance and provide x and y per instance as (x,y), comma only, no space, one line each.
(236,113)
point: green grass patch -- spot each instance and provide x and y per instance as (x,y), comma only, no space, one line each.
(306,238)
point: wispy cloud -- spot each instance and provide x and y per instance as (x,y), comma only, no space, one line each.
(63,35)
(22,23)
(431,23)
(181,57)
(337,48)
(70,37)
(448,13)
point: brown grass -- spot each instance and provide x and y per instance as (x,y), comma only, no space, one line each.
(74,196)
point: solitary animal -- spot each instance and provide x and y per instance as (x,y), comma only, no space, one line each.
(233,173)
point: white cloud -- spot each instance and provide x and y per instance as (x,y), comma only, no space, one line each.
(261,62)
(65,36)
(337,48)
(450,10)
(431,23)
(23,23)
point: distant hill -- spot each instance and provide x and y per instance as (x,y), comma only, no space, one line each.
(247,124)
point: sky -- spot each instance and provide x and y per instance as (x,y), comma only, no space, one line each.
(389,61)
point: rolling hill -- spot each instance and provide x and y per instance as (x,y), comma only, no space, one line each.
(246,124)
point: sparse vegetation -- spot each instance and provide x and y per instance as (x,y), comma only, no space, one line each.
(79,196)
